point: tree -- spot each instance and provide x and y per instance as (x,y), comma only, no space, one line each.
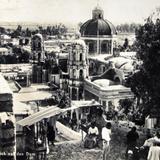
(126,104)
(146,82)
(129,28)
(126,43)
(27,32)
(25,56)
(2,30)
(17,32)
(49,30)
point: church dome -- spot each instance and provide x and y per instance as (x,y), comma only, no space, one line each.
(97,25)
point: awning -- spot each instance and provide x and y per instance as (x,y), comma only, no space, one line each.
(53,111)
(38,116)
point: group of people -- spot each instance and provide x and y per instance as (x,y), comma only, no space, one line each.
(150,149)
(95,137)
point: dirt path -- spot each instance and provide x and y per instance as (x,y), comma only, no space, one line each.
(74,150)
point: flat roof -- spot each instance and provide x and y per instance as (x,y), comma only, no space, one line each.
(105,87)
(33,93)
(32,96)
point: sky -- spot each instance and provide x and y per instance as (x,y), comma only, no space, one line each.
(74,11)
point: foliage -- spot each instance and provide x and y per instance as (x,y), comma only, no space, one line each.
(57,29)
(146,82)
(126,43)
(129,28)
(19,56)
(2,30)
(126,104)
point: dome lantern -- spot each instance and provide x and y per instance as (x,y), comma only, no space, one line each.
(97,13)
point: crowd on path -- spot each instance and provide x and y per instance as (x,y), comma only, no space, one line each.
(98,135)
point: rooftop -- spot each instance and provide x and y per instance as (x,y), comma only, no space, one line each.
(4,87)
(33,93)
(105,86)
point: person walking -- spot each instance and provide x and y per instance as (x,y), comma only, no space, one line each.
(132,137)
(50,134)
(106,137)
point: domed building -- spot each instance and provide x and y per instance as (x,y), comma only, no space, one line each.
(98,33)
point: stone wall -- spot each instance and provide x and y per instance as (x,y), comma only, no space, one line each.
(7,122)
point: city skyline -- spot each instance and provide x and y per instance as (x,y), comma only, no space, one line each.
(75,11)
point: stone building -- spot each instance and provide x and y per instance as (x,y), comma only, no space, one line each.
(39,74)
(77,68)
(7,122)
(98,33)
(37,48)
(106,92)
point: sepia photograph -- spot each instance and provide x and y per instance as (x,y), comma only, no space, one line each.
(79,79)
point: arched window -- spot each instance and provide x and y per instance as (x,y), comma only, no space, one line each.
(103,69)
(92,65)
(80,57)
(81,92)
(33,46)
(74,73)
(74,56)
(91,47)
(81,74)
(39,45)
(117,80)
(74,94)
(104,47)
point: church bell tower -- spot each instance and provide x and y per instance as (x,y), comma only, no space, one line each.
(77,69)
